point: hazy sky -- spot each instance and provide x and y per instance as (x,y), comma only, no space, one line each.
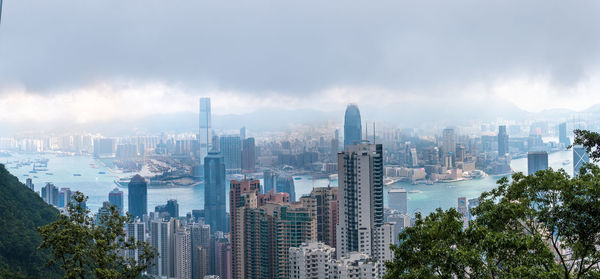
(102,59)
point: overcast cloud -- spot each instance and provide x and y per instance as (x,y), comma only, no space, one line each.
(286,51)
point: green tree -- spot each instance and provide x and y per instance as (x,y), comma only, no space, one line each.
(84,249)
(543,225)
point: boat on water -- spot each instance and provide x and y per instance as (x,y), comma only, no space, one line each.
(101,172)
(26,175)
(49,173)
(76,174)
(297,178)
(35,176)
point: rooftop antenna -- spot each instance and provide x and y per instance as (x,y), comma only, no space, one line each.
(366,131)
(373,132)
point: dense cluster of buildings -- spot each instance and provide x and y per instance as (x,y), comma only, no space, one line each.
(263,230)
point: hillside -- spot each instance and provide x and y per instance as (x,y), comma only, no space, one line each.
(21,212)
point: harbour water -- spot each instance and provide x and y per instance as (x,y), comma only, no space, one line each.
(96,185)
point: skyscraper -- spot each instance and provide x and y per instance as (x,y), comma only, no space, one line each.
(231,148)
(536,161)
(562,134)
(64,197)
(29,182)
(502,141)
(463,210)
(137,196)
(169,210)
(352,126)
(449,142)
(137,231)
(580,156)
(248,154)
(214,191)
(204,133)
(325,209)
(361,227)
(115,197)
(183,254)
(397,199)
(200,250)
(285,184)
(161,241)
(269,178)
(50,194)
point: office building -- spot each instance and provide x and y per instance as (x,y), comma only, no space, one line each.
(269,179)
(536,161)
(562,134)
(169,210)
(502,141)
(285,184)
(361,226)
(448,148)
(580,157)
(50,194)
(398,200)
(352,126)
(104,148)
(214,191)
(137,197)
(205,126)
(115,197)
(136,230)
(400,222)
(231,148)
(183,254)
(311,260)
(161,241)
(472,204)
(463,210)
(29,184)
(64,197)
(248,154)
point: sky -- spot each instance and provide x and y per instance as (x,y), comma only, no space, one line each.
(104,60)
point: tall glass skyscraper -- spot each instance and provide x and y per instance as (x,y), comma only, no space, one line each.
(231,148)
(536,161)
(204,133)
(214,191)
(115,197)
(352,126)
(502,140)
(138,196)
(580,156)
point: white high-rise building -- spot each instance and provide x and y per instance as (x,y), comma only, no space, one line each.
(137,231)
(361,226)
(205,132)
(356,265)
(311,260)
(398,200)
(161,240)
(183,254)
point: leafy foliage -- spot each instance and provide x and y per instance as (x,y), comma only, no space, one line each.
(543,225)
(21,212)
(85,249)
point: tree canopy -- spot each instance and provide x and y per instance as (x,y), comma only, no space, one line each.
(543,225)
(86,249)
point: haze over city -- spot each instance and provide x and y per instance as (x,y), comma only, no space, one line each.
(299,139)
(76,64)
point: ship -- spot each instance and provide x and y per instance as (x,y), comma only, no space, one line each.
(76,174)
